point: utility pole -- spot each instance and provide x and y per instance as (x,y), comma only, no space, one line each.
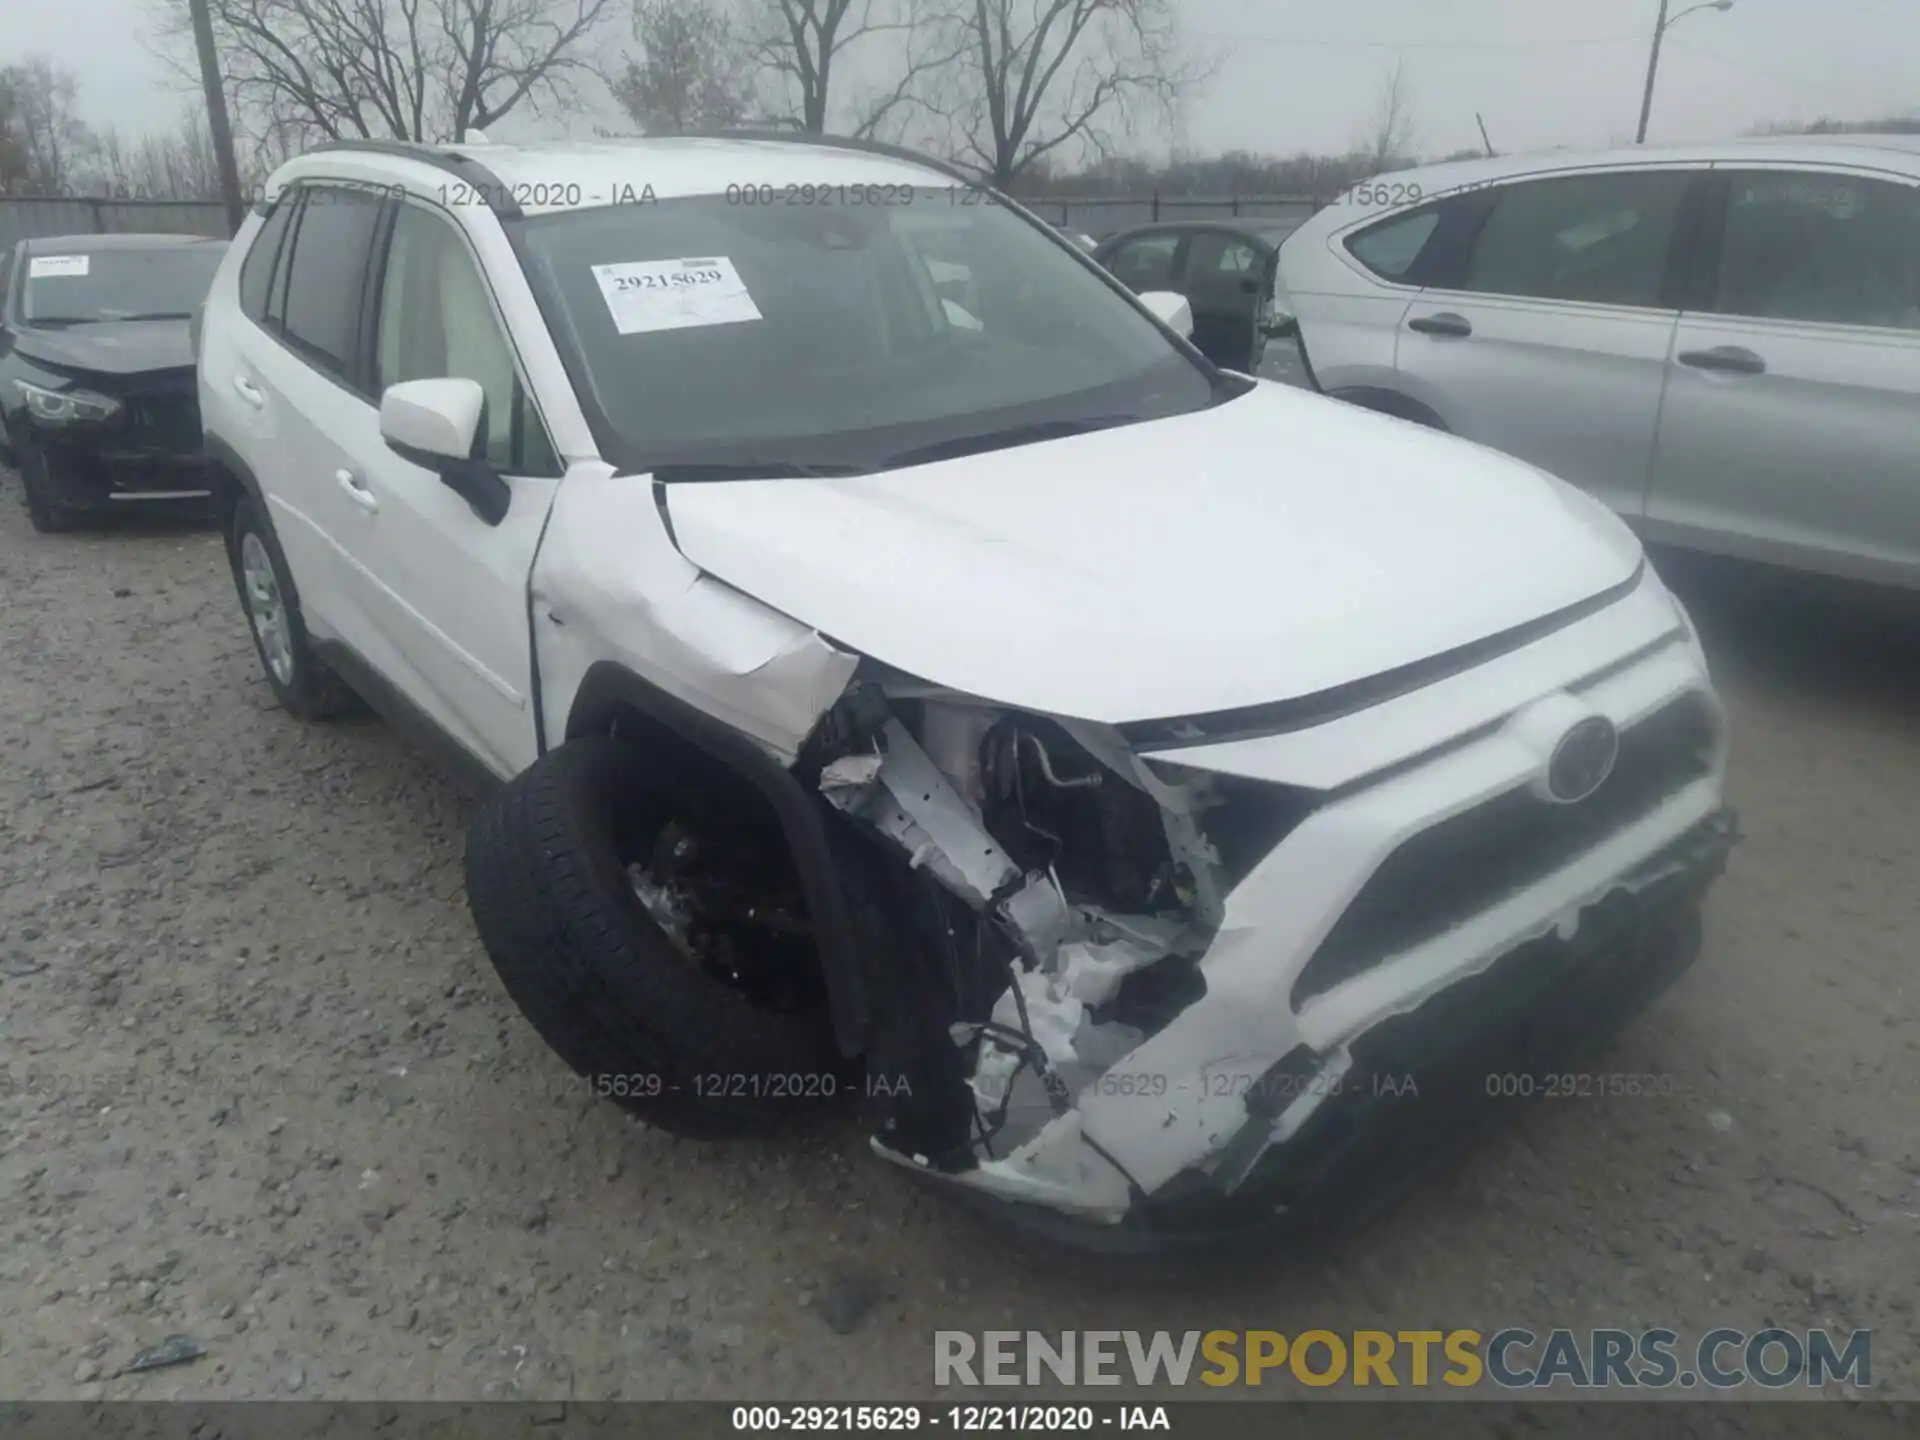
(1660,28)
(1653,68)
(217,124)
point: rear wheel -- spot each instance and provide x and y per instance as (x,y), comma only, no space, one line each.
(300,680)
(656,938)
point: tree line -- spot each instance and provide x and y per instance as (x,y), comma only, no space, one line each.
(1037,96)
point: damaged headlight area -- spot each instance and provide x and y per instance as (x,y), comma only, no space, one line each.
(1069,888)
(66,407)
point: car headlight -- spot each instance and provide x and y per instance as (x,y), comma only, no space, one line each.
(66,407)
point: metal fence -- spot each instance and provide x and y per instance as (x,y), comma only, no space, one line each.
(1104,215)
(31,217)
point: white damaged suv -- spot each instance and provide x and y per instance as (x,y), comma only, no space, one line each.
(902,667)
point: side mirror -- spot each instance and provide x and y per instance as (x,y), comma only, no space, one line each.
(438,425)
(1171,310)
(1281,326)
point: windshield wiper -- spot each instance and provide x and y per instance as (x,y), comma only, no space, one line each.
(1006,439)
(160,315)
(753,470)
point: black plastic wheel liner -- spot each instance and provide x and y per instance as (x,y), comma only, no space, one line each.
(607,687)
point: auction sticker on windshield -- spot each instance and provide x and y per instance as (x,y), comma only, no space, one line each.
(674,294)
(46,267)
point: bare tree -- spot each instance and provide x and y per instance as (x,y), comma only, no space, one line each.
(49,145)
(174,165)
(1040,76)
(299,71)
(13,155)
(691,73)
(799,46)
(1386,143)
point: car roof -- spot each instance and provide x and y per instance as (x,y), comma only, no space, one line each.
(1899,152)
(570,175)
(88,244)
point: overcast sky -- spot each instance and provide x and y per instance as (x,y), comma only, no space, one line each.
(1300,74)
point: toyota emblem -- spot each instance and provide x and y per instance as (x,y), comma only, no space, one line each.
(1583,759)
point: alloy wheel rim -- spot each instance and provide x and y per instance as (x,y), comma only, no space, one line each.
(266,608)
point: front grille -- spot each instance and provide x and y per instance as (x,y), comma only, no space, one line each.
(1451,872)
(166,420)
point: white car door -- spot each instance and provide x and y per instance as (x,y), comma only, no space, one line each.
(1791,430)
(290,390)
(1550,342)
(449,590)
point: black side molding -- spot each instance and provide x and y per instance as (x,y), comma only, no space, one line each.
(407,719)
(608,687)
(1282,717)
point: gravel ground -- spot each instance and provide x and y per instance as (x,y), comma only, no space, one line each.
(263,1090)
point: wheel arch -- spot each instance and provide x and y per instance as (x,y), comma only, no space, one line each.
(233,477)
(613,700)
(1392,402)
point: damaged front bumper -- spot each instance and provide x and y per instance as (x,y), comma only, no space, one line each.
(1190,993)
(1419,1087)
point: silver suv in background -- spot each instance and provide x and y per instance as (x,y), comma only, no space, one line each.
(1722,343)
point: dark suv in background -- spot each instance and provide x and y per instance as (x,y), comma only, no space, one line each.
(97,401)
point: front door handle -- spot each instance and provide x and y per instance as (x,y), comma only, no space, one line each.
(1728,359)
(249,392)
(357,490)
(1445,323)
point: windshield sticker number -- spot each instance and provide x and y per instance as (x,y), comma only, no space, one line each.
(49,267)
(644,295)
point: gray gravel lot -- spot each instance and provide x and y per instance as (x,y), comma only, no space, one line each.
(262,1089)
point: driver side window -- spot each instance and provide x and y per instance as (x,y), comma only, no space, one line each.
(437,320)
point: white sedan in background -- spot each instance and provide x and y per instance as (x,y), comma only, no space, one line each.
(1722,343)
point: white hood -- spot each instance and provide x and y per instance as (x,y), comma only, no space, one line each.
(1272,547)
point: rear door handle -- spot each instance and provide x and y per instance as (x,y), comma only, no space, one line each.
(249,392)
(357,490)
(1729,359)
(1445,323)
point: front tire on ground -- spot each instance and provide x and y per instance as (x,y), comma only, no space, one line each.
(44,509)
(636,1010)
(301,681)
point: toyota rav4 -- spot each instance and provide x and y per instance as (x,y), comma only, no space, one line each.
(899,665)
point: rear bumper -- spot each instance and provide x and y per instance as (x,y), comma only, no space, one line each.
(1420,1085)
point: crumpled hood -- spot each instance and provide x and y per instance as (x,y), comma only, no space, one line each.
(121,347)
(1269,548)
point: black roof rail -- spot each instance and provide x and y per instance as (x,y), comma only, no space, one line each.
(485,183)
(848,142)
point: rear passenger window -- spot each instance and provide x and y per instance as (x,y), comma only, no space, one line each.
(1390,248)
(326,273)
(256,271)
(1831,249)
(1596,238)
